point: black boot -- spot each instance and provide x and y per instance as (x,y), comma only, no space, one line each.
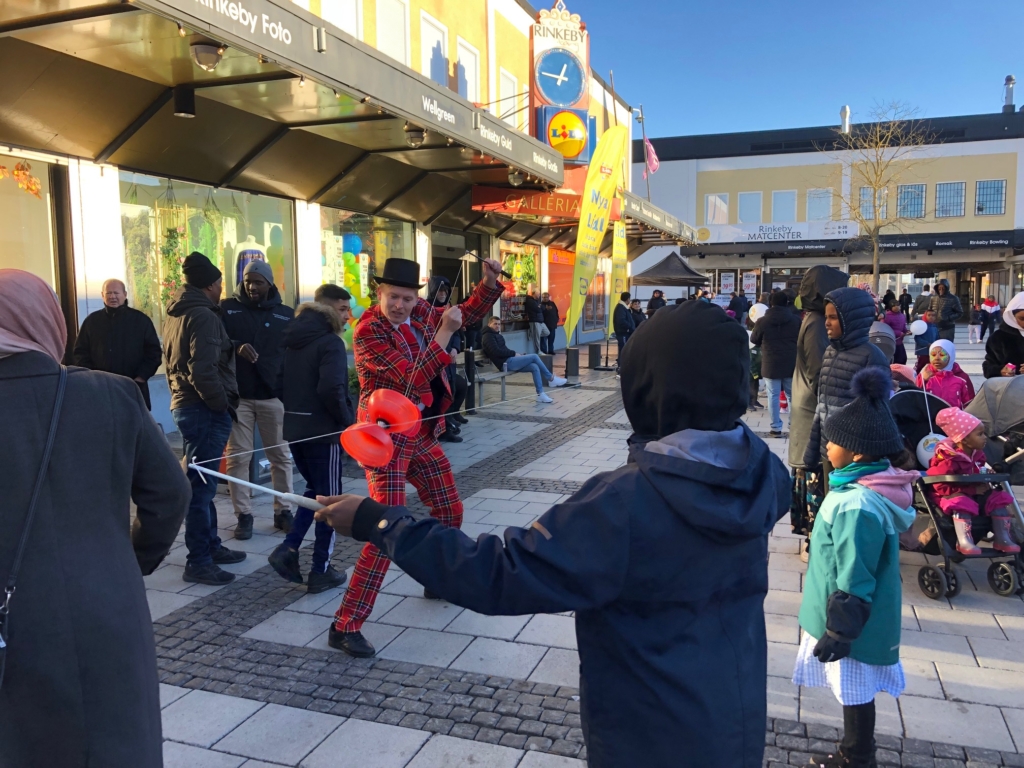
(858,747)
(243,530)
(448,437)
(460,418)
(283,521)
(224,556)
(211,575)
(321,582)
(285,561)
(352,643)
(430,595)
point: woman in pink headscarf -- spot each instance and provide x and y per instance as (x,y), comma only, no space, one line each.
(79,681)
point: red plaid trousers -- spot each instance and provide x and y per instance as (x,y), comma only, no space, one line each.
(420,460)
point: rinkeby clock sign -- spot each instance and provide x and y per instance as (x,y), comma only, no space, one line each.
(560,49)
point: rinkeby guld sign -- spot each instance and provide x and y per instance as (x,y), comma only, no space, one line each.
(299,41)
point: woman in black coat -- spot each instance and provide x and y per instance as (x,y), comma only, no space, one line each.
(1004,350)
(80,687)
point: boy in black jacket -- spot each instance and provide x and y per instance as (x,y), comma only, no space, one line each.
(313,385)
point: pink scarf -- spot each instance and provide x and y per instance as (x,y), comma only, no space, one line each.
(30,316)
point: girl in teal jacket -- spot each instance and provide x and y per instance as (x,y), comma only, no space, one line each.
(852,596)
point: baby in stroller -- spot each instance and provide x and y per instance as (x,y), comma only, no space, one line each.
(961,453)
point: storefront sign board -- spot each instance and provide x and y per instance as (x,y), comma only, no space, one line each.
(552,204)
(777,233)
(750,282)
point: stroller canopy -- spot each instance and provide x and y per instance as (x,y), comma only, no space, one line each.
(911,409)
(999,404)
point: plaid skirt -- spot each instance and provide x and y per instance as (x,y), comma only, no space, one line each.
(852,682)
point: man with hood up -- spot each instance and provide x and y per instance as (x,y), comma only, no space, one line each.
(256,319)
(947,309)
(663,560)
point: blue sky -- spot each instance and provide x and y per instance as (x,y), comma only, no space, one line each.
(732,65)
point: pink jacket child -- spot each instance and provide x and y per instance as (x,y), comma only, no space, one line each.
(939,377)
(961,454)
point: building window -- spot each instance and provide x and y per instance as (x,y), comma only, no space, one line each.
(949,199)
(467,72)
(344,14)
(867,203)
(25,215)
(784,206)
(716,208)
(509,100)
(749,207)
(393,29)
(434,49)
(910,201)
(990,198)
(819,204)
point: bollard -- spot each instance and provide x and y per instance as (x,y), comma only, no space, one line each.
(595,355)
(549,361)
(572,361)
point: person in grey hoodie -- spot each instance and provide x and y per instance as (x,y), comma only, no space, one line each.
(664,560)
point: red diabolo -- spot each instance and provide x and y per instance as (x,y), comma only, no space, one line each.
(387,411)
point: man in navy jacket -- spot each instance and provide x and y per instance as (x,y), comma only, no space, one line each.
(664,560)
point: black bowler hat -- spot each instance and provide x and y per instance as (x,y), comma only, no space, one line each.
(401,272)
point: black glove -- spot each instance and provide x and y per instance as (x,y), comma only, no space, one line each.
(845,616)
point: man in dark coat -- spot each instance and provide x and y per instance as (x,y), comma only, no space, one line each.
(256,318)
(664,560)
(119,339)
(777,333)
(906,302)
(740,304)
(200,363)
(656,302)
(535,317)
(551,317)
(811,344)
(636,312)
(622,322)
(922,302)
(947,309)
(312,384)
(80,687)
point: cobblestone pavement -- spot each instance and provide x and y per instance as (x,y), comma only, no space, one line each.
(247,677)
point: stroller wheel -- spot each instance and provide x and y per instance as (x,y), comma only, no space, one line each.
(932,582)
(953,583)
(1003,579)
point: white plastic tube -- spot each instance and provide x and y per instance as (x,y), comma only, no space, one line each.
(294,498)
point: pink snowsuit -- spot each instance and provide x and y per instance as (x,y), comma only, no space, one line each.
(947,385)
(963,497)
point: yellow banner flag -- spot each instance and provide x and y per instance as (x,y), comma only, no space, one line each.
(603,178)
(620,278)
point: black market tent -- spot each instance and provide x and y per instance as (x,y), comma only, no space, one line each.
(671,270)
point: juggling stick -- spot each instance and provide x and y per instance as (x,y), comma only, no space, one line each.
(294,498)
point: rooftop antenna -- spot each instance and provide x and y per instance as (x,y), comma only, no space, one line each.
(844,116)
(1008,84)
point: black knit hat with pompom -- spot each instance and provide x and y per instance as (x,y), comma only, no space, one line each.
(866,426)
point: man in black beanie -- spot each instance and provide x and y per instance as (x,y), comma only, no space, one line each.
(664,560)
(200,364)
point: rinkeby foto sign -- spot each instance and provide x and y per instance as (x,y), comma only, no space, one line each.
(769,233)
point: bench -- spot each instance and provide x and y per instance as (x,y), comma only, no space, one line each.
(483,378)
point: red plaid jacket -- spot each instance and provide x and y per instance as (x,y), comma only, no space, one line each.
(385,361)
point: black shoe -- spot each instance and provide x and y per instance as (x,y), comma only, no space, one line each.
(285,561)
(775,433)
(460,418)
(352,643)
(243,530)
(448,437)
(455,429)
(471,412)
(838,759)
(207,574)
(283,521)
(430,595)
(224,556)
(321,582)
(755,406)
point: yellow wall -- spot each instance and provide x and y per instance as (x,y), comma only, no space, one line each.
(512,53)
(965,168)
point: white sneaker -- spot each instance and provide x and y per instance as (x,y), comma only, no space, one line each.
(557,381)
(543,397)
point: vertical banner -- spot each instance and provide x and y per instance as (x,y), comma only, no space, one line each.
(603,178)
(750,283)
(620,278)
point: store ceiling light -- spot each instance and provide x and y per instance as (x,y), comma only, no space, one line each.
(181,31)
(207,55)
(302,81)
(414,136)
(515,177)
(184,101)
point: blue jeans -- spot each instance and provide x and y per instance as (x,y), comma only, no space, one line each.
(204,434)
(774,386)
(320,465)
(530,363)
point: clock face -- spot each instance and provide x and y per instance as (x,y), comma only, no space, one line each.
(560,77)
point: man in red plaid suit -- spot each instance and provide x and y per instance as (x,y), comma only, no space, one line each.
(400,344)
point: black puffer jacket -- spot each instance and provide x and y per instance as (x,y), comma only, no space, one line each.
(315,391)
(495,349)
(811,344)
(946,307)
(1005,345)
(777,333)
(845,356)
(261,324)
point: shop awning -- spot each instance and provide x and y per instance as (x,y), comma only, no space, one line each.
(651,226)
(295,107)
(671,270)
